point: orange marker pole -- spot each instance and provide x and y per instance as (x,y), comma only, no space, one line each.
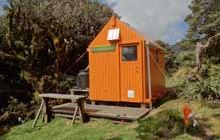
(186,112)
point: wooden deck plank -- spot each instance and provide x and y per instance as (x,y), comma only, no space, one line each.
(60,106)
(79,90)
(62,96)
(105,111)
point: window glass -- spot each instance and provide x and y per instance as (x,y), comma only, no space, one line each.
(129,53)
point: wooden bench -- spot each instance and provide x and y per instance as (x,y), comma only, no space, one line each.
(78,99)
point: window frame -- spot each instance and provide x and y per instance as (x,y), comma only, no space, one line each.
(127,46)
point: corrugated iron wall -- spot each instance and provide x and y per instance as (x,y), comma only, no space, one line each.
(105,68)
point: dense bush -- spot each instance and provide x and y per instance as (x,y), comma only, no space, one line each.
(186,58)
(207,88)
(171,62)
(67,82)
(39,41)
(213,49)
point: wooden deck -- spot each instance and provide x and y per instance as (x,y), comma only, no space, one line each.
(102,111)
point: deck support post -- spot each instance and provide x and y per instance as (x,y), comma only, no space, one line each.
(38,113)
(81,104)
(47,113)
(72,93)
(80,109)
(143,105)
(74,115)
(93,102)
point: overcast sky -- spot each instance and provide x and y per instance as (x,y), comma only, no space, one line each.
(157,19)
(1,3)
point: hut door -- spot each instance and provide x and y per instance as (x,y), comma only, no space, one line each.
(131,73)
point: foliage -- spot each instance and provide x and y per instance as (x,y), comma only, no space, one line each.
(186,58)
(204,21)
(15,113)
(40,39)
(36,33)
(207,88)
(204,26)
(213,49)
(191,86)
(67,82)
(171,63)
(45,31)
(185,45)
(44,35)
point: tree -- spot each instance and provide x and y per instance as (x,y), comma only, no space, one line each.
(49,34)
(36,35)
(204,21)
(204,27)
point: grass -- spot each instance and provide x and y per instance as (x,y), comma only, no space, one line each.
(178,78)
(60,129)
(100,129)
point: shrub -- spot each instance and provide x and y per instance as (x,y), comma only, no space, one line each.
(207,88)
(186,58)
(67,82)
(165,124)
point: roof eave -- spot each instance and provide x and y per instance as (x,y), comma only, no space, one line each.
(154,44)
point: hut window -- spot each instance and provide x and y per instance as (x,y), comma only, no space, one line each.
(129,53)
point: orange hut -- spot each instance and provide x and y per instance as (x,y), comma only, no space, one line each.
(124,66)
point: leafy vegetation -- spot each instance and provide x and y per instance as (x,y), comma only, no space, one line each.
(204,21)
(39,41)
(204,28)
(208,88)
(171,62)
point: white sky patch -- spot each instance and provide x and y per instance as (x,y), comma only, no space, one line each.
(154,18)
(2,3)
